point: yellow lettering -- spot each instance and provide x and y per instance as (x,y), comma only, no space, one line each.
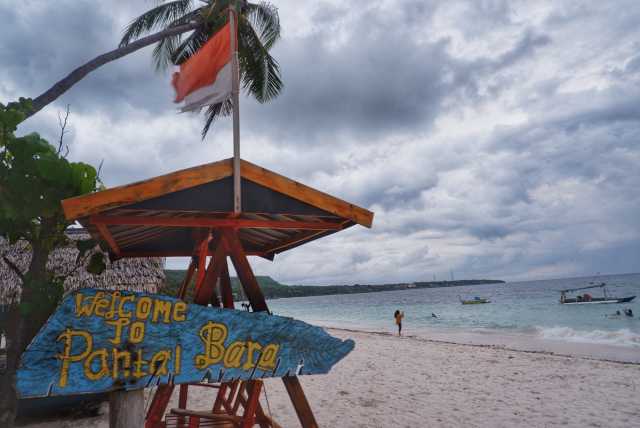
(66,357)
(118,324)
(268,358)
(136,332)
(86,309)
(249,364)
(159,362)
(179,307)
(104,367)
(121,312)
(112,310)
(213,335)
(139,362)
(233,355)
(102,304)
(176,366)
(143,308)
(126,365)
(162,307)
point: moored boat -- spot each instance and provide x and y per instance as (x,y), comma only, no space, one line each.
(474,301)
(588,299)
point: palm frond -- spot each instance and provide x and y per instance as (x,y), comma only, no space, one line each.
(265,21)
(213,112)
(161,56)
(156,18)
(259,71)
(190,45)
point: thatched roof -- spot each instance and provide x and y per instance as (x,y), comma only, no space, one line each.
(140,275)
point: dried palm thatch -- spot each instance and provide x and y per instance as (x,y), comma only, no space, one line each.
(139,275)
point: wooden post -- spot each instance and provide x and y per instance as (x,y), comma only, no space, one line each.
(225,288)
(187,279)
(243,269)
(207,291)
(300,403)
(126,408)
(158,406)
(235,92)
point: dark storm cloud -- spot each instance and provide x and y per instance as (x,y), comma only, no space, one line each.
(375,77)
(499,138)
(44,41)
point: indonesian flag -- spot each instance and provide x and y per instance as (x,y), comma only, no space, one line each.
(205,78)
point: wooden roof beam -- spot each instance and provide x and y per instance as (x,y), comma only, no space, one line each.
(211,222)
(306,194)
(104,231)
(92,203)
(177,254)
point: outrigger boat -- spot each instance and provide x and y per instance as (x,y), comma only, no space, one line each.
(587,299)
(473,302)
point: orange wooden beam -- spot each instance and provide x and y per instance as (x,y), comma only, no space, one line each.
(225,288)
(207,291)
(300,403)
(302,236)
(202,263)
(92,203)
(104,231)
(306,194)
(158,407)
(243,269)
(176,254)
(210,222)
(187,279)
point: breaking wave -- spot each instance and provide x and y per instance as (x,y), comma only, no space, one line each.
(622,337)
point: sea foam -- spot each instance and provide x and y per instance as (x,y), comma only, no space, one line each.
(622,337)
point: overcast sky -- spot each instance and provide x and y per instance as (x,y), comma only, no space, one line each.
(495,138)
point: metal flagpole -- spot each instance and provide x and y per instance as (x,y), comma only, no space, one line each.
(235,89)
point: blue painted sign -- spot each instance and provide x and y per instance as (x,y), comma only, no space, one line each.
(101,340)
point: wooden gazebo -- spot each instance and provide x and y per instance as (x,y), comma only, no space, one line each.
(191,213)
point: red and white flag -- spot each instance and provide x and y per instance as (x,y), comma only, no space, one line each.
(205,78)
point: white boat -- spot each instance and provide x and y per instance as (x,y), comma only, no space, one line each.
(587,299)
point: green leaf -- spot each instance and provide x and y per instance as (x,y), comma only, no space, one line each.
(47,165)
(85,245)
(96,265)
(91,173)
(26,103)
(26,308)
(30,211)
(52,167)
(36,285)
(47,244)
(21,148)
(104,245)
(77,173)
(55,289)
(86,186)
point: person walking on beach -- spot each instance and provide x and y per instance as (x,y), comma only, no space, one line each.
(399,317)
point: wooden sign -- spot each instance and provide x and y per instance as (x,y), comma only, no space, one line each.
(101,340)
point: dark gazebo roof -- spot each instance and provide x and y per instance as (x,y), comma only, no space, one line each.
(160,217)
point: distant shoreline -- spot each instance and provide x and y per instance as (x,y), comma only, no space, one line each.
(272,289)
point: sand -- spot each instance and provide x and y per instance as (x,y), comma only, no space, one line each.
(391,381)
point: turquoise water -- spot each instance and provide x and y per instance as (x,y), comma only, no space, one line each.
(527,309)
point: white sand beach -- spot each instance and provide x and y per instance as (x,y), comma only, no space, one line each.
(391,381)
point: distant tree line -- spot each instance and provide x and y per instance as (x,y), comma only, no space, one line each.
(274,290)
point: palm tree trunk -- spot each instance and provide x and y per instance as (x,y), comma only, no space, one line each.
(76,75)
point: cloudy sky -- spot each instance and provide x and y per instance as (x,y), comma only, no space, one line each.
(499,139)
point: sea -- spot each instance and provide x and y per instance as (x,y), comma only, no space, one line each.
(522,316)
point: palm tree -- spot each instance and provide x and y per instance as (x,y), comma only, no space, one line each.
(258,30)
